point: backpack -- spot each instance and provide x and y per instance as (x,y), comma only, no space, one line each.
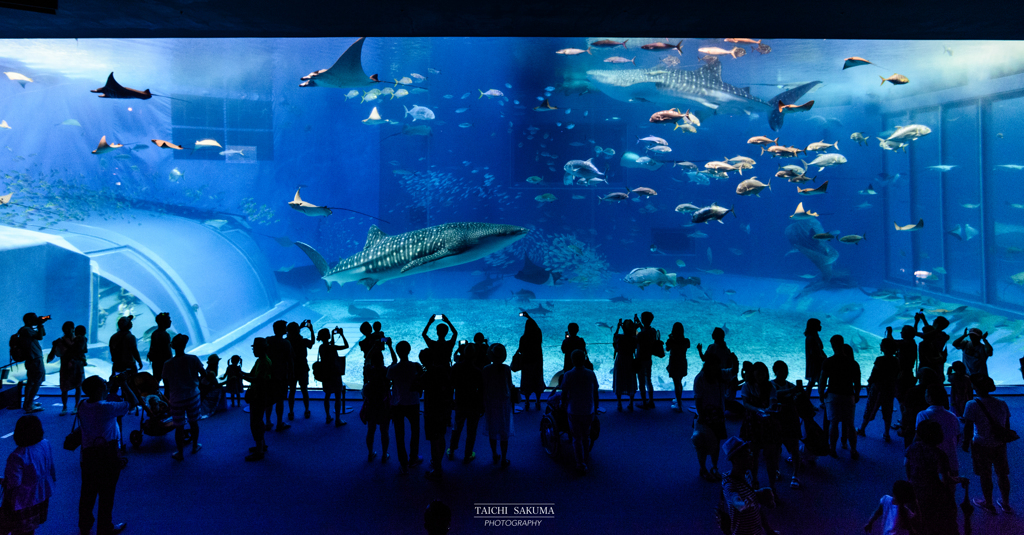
(18,353)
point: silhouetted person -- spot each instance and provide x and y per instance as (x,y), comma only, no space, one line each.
(441,347)
(882,386)
(814,352)
(335,368)
(914,402)
(437,410)
(124,349)
(788,416)
(938,411)
(677,345)
(897,511)
(571,343)
(730,368)
(976,351)
(437,519)
(35,371)
(960,389)
(283,374)
(64,349)
(233,377)
(743,501)
(300,351)
(624,372)
(647,346)
(530,362)
(928,471)
(840,386)
(709,426)
(101,459)
(497,381)
(376,409)
(906,353)
(405,379)
(28,479)
(932,349)
(211,392)
(160,346)
(372,346)
(988,453)
(468,383)
(182,375)
(759,429)
(581,400)
(260,396)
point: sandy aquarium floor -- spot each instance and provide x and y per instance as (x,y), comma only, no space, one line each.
(765,336)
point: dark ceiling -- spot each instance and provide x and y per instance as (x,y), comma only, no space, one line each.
(823,19)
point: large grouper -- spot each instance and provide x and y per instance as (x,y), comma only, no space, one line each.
(387,257)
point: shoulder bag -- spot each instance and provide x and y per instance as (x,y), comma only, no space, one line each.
(74,438)
(1000,433)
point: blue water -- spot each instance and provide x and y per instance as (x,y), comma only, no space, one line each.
(473,166)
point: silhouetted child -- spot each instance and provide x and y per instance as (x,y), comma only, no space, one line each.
(960,389)
(882,386)
(896,511)
(234,380)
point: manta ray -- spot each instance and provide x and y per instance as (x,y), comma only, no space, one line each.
(702,90)
(387,257)
(346,72)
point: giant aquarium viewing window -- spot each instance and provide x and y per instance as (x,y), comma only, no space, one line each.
(732,183)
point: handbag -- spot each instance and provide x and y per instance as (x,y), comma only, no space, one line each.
(1000,433)
(515,397)
(517,364)
(74,438)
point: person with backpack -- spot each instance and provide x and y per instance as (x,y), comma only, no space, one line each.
(986,433)
(25,348)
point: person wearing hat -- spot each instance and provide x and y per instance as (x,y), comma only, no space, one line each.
(987,452)
(743,502)
(182,375)
(976,349)
(35,372)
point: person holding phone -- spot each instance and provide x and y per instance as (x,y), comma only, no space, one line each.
(441,348)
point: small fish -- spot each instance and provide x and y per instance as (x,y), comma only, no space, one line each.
(461,110)
(735,251)
(697,235)
(70,122)
(860,138)
(658,47)
(941,168)
(807,276)
(490,93)
(206,144)
(762,140)
(736,51)
(231,152)
(572,51)
(175,175)
(535,179)
(546,197)
(418,77)
(619,59)
(895,79)
(463,97)
(681,263)
(399,94)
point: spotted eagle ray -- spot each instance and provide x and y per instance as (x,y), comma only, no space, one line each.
(112,89)
(702,90)
(387,257)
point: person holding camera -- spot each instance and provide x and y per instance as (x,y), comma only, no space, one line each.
(441,348)
(300,348)
(35,372)
(101,454)
(976,349)
(333,368)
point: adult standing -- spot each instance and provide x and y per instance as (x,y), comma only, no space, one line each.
(101,453)
(72,369)
(334,367)
(376,409)
(35,371)
(259,397)
(932,349)
(441,347)
(730,364)
(814,352)
(182,375)
(572,342)
(976,349)
(282,375)
(709,426)
(579,394)
(28,479)
(300,351)
(124,348)
(624,372)
(160,346)
(928,471)
(468,382)
(840,386)
(760,430)
(497,381)
(437,410)
(938,411)
(405,377)
(530,362)
(981,416)
(63,346)
(677,345)
(647,346)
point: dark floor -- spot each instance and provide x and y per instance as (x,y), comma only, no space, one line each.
(316,479)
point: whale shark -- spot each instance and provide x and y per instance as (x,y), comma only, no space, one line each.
(387,257)
(702,90)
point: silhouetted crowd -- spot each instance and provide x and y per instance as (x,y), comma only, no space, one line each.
(472,382)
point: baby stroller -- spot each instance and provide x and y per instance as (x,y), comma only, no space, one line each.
(554,426)
(155,419)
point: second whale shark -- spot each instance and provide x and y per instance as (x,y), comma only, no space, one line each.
(701,90)
(387,257)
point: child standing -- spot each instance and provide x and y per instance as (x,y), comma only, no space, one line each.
(234,380)
(960,388)
(896,511)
